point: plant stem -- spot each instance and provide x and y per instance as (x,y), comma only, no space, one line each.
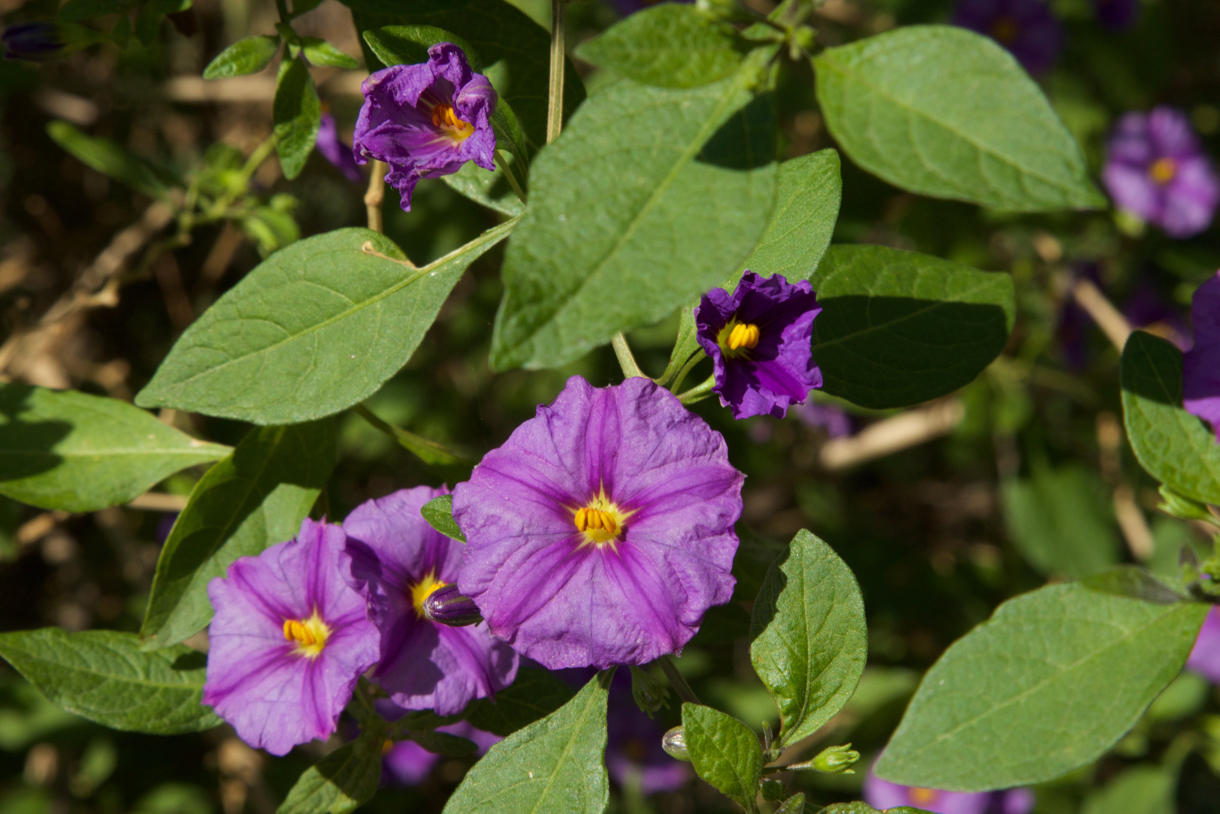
(375,195)
(510,174)
(623,351)
(696,393)
(554,112)
(675,678)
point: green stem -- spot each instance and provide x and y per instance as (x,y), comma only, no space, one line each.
(675,678)
(511,175)
(554,112)
(697,393)
(623,351)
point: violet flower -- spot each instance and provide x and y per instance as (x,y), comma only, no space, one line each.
(602,530)
(1026,28)
(1201,365)
(1157,171)
(882,794)
(426,120)
(760,338)
(1148,310)
(828,417)
(400,560)
(406,763)
(1205,657)
(335,151)
(289,640)
(1117,15)
(634,756)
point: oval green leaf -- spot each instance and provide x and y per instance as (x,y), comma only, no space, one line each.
(297,113)
(246,56)
(340,782)
(725,752)
(108,158)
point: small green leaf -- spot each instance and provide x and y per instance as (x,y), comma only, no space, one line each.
(725,752)
(321,52)
(60,449)
(1172,444)
(439,514)
(793,805)
(246,56)
(534,695)
(554,764)
(102,675)
(1047,685)
(945,112)
(108,158)
(314,329)
(341,781)
(1139,790)
(898,328)
(808,638)
(1134,582)
(670,46)
(865,808)
(253,499)
(297,113)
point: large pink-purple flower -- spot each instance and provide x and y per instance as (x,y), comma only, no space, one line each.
(289,640)
(760,339)
(1201,365)
(397,561)
(602,530)
(1205,657)
(1157,171)
(1026,28)
(882,794)
(426,120)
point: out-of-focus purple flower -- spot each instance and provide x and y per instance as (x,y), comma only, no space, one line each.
(828,417)
(634,756)
(760,338)
(1205,657)
(1117,15)
(165,525)
(335,151)
(45,41)
(1026,28)
(1148,310)
(602,530)
(406,763)
(1201,365)
(882,794)
(626,8)
(398,560)
(289,640)
(1157,171)
(426,120)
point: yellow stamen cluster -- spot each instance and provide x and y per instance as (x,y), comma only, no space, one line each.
(922,797)
(601,521)
(1005,30)
(738,338)
(1163,170)
(443,116)
(309,634)
(597,520)
(423,589)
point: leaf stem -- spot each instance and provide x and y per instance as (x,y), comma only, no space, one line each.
(510,174)
(375,195)
(554,112)
(623,351)
(697,393)
(675,678)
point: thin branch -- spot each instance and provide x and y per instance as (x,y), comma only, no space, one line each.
(510,174)
(680,686)
(375,195)
(894,434)
(623,351)
(554,112)
(1111,321)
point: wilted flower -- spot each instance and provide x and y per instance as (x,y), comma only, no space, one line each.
(882,794)
(1205,657)
(289,640)
(1156,170)
(759,338)
(1117,15)
(400,560)
(45,41)
(602,530)
(1201,365)
(335,151)
(426,120)
(1026,28)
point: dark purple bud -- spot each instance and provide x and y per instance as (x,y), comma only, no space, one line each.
(448,607)
(45,41)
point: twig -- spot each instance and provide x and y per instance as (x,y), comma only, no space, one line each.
(1112,323)
(675,678)
(894,434)
(375,195)
(623,351)
(554,111)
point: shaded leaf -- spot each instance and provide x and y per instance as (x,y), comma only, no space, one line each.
(439,514)
(108,158)
(534,695)
(339,782)
(297,113)
(246,56)
(725,752)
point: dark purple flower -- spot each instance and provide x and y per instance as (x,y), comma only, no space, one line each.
(626,8)
(828,417)
(760,339)
(406,763)
(1157,171)
(634,756)
(1026,28)
(1117,15)
(289,640)
(602,530)
(401,559)
(45,41)
(335,151)
(1205,657)
(1147,309)
(1201,365)
(883,794)
(426,120)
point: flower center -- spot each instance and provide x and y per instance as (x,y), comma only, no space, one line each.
(738,338)
(309,634)
(423,589)
(601,521)
(1005,30)
(1163,170)
(922,797)
(444,118)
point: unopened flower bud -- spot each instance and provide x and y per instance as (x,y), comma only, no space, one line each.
(674,744)
(835,760)
(650,692)
(448,607)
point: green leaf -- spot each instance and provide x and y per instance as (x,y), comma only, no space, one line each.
(898,328)
(253,499)
(297,113)
(808,638)
(793,805)
(670,46)
(597,249)
(1140,790)
(1048,684)
(246,56)
(534,695)
(554,764)
(340,782)
(865,808)
(60,449)
(1135,582)
(1061,520)
(102,675)
(108,158)
(409,44)
(74,11)
(1175,446)
(321,52)
(945,112)
(439,514)
(314,329)
(442,743)
(725,752)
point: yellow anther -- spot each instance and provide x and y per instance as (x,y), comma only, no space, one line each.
(600,521)
(423,589)
(309,634)
(743,336)
(1163,170)
(1005,30)
(922,797)
(444,116)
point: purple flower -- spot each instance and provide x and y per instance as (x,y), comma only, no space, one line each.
(1205,657)
(828,417)
(1201,365)
(883,794)
(406,763)
(44,41)
(760,339)
(335,151)
(602,530)
(633,745)
(426,120)
(289,640)
(1117,15)
(1157,171)
(626,8)
(1148,310)
(401,560)
(1026,28)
